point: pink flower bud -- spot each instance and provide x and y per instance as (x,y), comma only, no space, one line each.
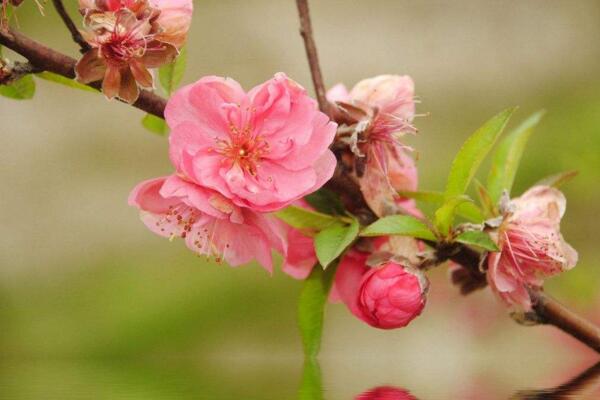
(386,393)
(531,246)
(388,296)
(263,149)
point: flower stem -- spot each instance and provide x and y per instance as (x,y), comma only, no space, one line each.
(75,34)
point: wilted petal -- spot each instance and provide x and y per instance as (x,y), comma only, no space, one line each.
(91,67)
(111,85)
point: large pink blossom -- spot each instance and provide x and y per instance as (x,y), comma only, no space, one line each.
(386,110)
(263,149)
(129,37)
(531,246)
(387,296)
(212,225)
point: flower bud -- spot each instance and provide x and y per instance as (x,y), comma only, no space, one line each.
(388,296)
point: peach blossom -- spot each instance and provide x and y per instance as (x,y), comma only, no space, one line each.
(385,393)
(128,38)
(532,247)
(263,149)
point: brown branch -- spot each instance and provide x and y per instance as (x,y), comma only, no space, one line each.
(311,53)
(75,34)
(46,59)
(552,312)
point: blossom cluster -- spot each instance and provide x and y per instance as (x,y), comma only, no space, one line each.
(239,156)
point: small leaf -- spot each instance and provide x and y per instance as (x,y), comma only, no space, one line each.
(311,308)
(444,216)
(466,163)
(171,74)
(21,89)
(485,199)
(61,80)
(557,180)
(331,242)
(508,156)
(467,210)
(477,238)
(403,225)
(155,124)
(301,218)
(326,201)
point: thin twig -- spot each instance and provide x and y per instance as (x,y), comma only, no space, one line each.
(46,59)
(75,34)
(311,53)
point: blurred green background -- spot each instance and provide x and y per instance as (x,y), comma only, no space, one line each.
(92,305)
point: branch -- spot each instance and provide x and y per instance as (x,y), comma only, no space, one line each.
(311,53)
(75,34)
(46,59)
(552,312)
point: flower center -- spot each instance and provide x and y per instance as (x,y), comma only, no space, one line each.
(243,148)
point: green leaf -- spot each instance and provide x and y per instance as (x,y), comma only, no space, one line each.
(331,242)
(473,152)
(301,218)
(485,199)
(403,225)
(311,308)
(155,124)
(466,163)
(444,216)
(21,89)
(508,156)
(61,80)
(558,180)
(326,201)
(171,74)
(477,238)
(467,210)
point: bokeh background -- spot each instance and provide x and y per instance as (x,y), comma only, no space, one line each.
(92,305)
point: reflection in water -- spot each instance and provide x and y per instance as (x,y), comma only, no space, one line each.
(574,388)
(386,393)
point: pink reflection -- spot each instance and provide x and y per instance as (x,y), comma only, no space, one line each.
(386,393)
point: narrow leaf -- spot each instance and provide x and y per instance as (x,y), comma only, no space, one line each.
(171,74)
(444,216)
(485,200)
(61,80)
(508,156)
(403,225)
(477,238)
(466,163)
(155,124)
(331,242)
(473,152)
(558,180)
(21,89)
(311,307)
(301,218)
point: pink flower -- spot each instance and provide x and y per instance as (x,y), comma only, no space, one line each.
(532,247)
(383,108)
(129,37)
(299,256)
(263,149)
(385,393)
(388,296)
(209,223)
